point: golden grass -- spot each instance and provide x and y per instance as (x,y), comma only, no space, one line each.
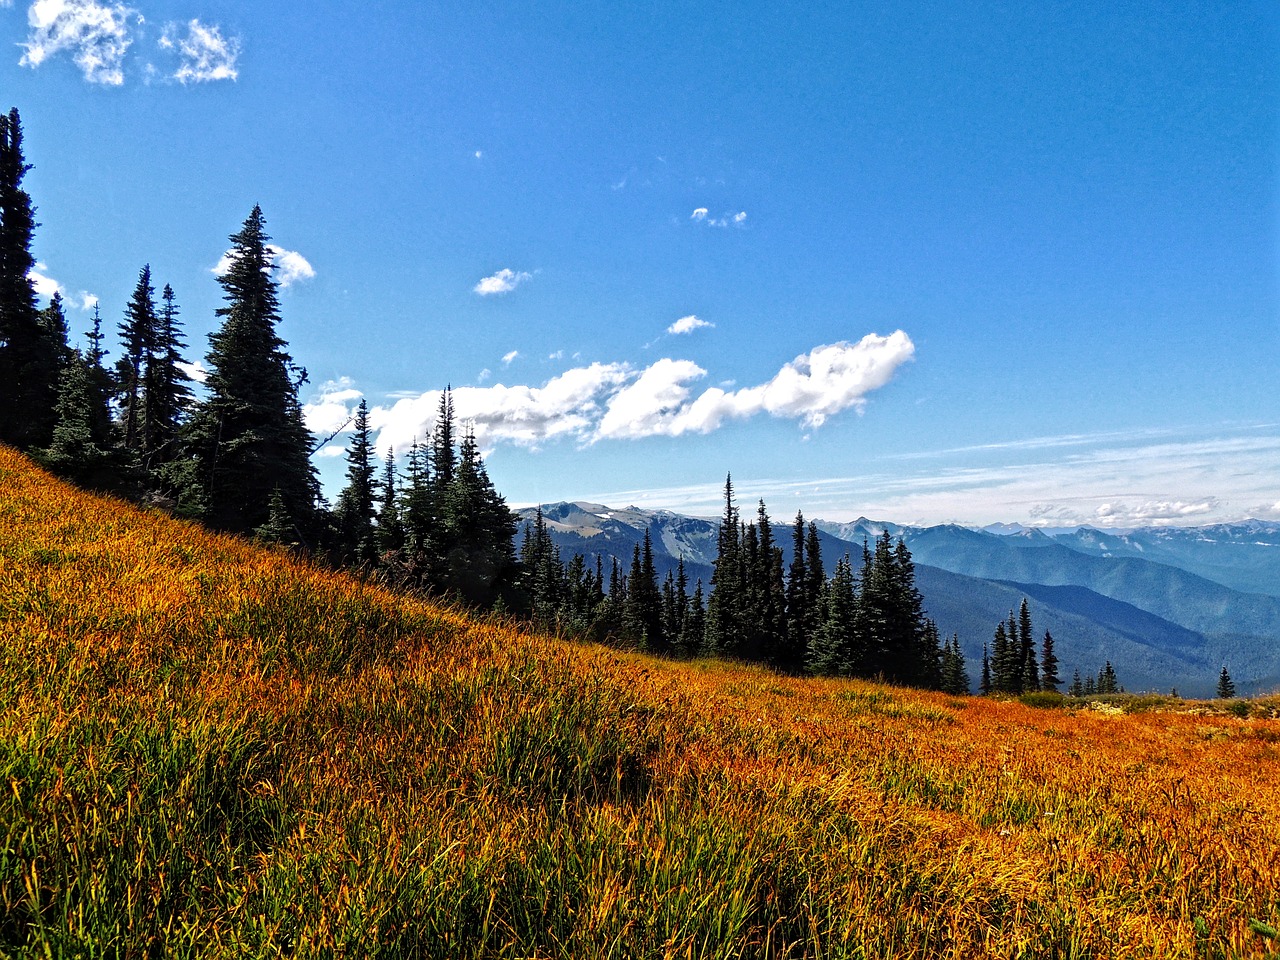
(208,748)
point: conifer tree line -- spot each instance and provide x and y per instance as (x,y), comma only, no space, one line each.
(235,454)
(866,620)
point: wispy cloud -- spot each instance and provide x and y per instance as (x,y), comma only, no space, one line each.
(504,281)
(290,266)
(96,35)
(1199,476)
(701,215)
(204,53)
(688,325)
(509,356)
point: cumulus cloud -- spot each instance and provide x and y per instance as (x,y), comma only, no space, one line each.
(196,370)
(565,406)
(699,214)
(204,53)
(1153,512)
(97,36)
(504,281)
(331,406)
(688,325)
(811,388)
(43,284)
(290,266)
(613,401)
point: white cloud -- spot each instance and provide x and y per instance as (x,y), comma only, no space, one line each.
(290,266)
(331,451)
(332,405)
(484,375)
(701,215)
(604,401)
(196,370)
(688,325)
(96,35)
(813,387)
(504,281)
(556,355)
(509,356)
(43,284)
(565,406)
(205,53)
(479,154)
(86,300)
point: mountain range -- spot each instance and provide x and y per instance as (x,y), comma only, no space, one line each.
(1169,607)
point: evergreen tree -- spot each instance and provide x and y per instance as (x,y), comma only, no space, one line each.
(728,596)
(390,533)
(1226,686)
(799,616)
(139,335)
(1030,679)
(443,456)
(1077,686)
(693,632)
(770,613)
(167,386)
(1107,682)
(1049,679)
(82,448)
(478,532)
(815,577)
(986,686)
(355,512)
(248,438)
(53,322)
(830,646)
(955,679)
(29,354)
(1001,666)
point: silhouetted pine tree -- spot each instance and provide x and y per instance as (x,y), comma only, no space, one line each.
(770,613)
(479,530)
(248,438)
(390,533)
(986,686)
(31,357)
(799,617)
(693,634)
(355,510)
(138,337)
(167,386)
(728,595)
(1077,686)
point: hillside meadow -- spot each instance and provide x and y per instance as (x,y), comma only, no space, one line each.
(211,749)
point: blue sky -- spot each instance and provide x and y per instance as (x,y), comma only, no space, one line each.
(922,262)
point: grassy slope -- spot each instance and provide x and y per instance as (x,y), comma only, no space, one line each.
(209,749)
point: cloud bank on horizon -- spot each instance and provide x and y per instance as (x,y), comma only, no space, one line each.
(1107,480)
(615,401)
(97,36)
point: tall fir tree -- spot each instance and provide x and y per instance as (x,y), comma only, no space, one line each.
(799,616)
(166,383)
(1226,686)
(31,357)
(138,337)
(355,511)
(82,448)
(1030,680)
(248,438)
(728,596)
(770,614)
(1049,679)
(390,534)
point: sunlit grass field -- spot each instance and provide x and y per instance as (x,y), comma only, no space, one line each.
(211,749)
